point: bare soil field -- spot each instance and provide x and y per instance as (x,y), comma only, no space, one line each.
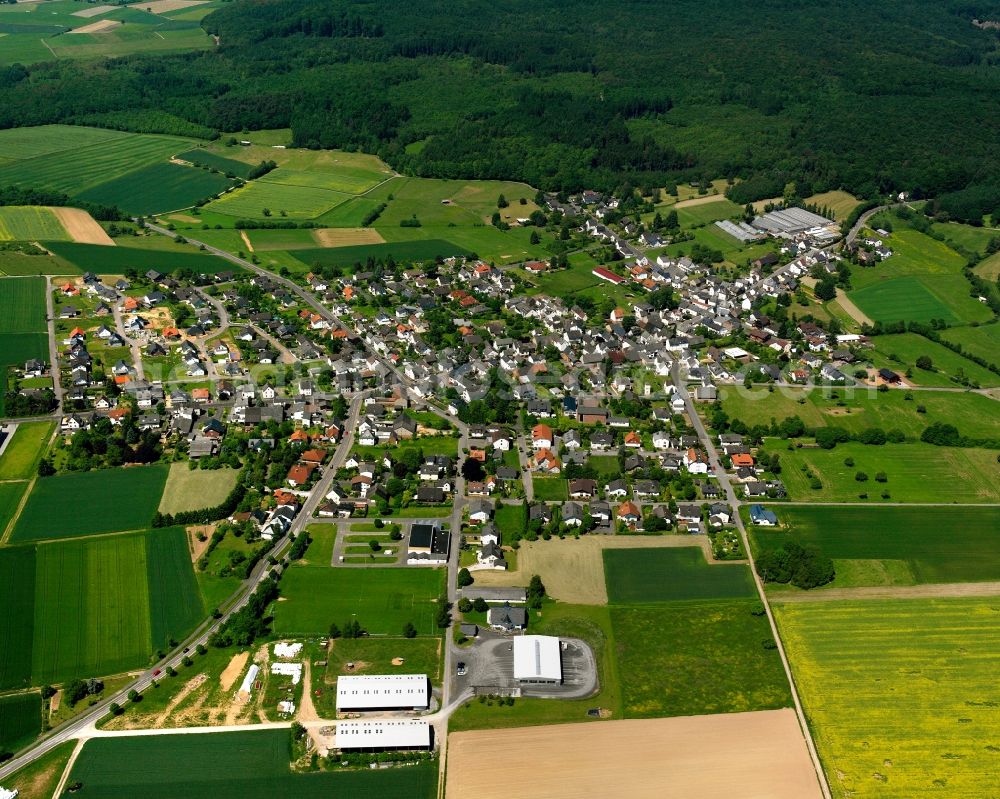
(81,226)
(166,6)
(346,237)
(97,27)
(759,755)
(708,198)
(93,11)
(235,668)
(573,569)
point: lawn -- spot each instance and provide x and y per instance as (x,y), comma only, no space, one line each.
(20,720)
(17,596)
(22,305)
(225,165)
(642,576)
(510,520)
(30,223)
(688,658)
(157,188)
(426,250)
(550,489)
(911,545)
(902,298)
(915,472)
(563,282)
(899,693)
(115,260)
(20,459)
(900,352)
(194,489)
(235,765)
(105,501)
(708,212)
(375,656)
(382,600)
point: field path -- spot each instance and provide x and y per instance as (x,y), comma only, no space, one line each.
(69,768)
(935,591)
(81,226)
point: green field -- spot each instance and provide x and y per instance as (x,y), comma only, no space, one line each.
(193,489)
(982,341)
(174,605)
(115,260)
(20,720)
(708,212)
(401,251)
(346,179)
(30,223)
(688,658)
(19,144)
(420,656)
(642,576)
(885,545)
(320,551)
(10,498)
(295,202)
(900,694)
(17,594)
(20,459)
(22,264)
(900,352)
(237,765)
(916,473)
(16,348)
(157,188)
(215,161)
(83,503)
(550,489)
(22,305)
(382,600)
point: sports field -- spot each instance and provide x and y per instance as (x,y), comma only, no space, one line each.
(693,657)
(915,473)
(193,489)
(83,503)
(237,765)
(158,188)
(893,546)
(20,459)
(641,576)
(114,261)
(30,223)
(900,694)
(382,600)
(17,595)
(749,755)
(20,720)
(22,305)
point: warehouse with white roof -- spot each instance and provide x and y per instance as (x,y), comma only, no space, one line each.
(537,659)
(383,735)
(382,692)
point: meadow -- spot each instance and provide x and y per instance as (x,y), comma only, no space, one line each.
(20,720)
(915,472)
(401,251)
(694,657)
(982,341)
(17,264)
(193,489)
(41,776)
(22,305)
(115,260)
(30,223)
(642,576)
(18,144)
(157,188)
(17,594)
(10,498)
(343,178)
(256,766)
(893,545)
(278,200)
(486,241)
(83,503)
(899,693)
(382,600)
(420,656)
(900,353)
(20,459)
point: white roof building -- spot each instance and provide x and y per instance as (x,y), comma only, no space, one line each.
(293,670)
(403,734)
(6,793)
(283,650)
(537,658)
(382,691)
(249,680)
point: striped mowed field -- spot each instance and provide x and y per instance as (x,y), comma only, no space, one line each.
(30,223)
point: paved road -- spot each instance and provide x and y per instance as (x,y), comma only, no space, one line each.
(50,317)
(133,345)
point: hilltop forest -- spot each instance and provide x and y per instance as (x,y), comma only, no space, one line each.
(870,97)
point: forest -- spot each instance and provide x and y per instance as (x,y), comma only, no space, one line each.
(564,94)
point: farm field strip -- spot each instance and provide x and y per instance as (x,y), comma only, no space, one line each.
(22,305)
(18,144)
(297,202)
(643,576)
(29,223)
(17,595)
(157,188)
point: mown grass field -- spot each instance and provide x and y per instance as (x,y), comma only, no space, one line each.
(30,223)
(115,260)
(239,765)
(982,341)
(20,459)
(22,305)
(17,264)
(382,600)
(17,594)
(420,656)
(688,658)
(343,178)
(641,576)
(550,489)
(19,144)
(20,720)
(295,202)
(84,503)
(900,694)
(706,213)
(41,776)
(360,253)
(912,545)
(916,473)
(193,489)
(900,352)
(157,188)
(486,241)
(226,165)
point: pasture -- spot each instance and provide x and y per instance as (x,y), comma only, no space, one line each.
(694,657)
(194,489)
(237,765)
(989,268)
(20,720)
(22,305)
(982,341)
(30,223)
(17,593)
(899,693)
(900,352)
(115,260)
(426,250)
(642,576)
(891,546)
(260,199)
(83,503)
(157,188)
(382,600)
(916,473)
(765,755)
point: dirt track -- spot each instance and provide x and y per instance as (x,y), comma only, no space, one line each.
(730,756)
(81,226)
(853,310)
(940,590)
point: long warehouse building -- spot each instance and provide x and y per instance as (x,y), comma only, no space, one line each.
(383,735)
(382,692)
